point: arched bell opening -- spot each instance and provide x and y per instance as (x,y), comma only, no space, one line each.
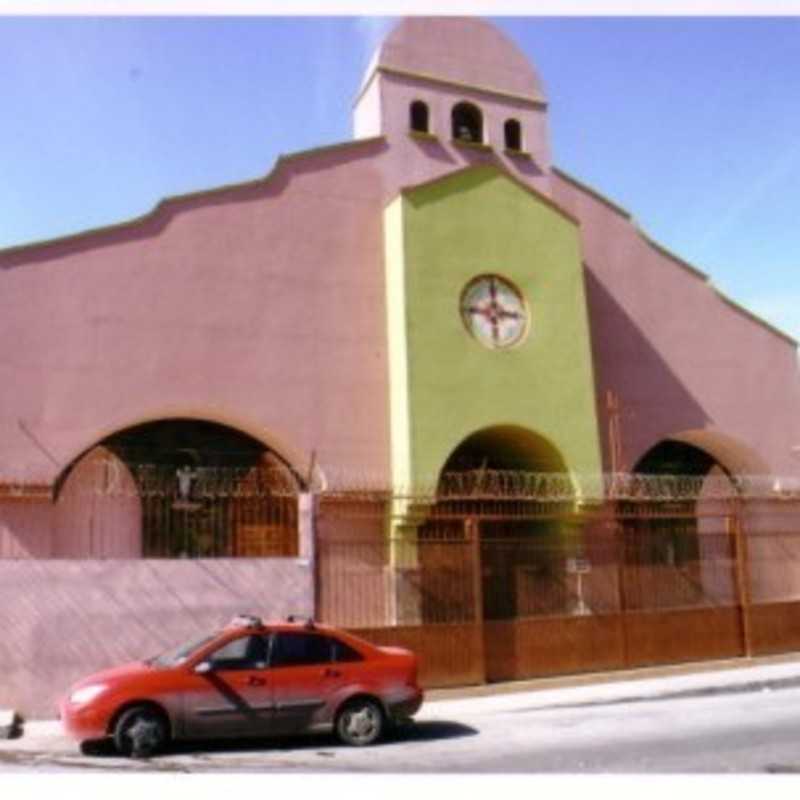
(512,135)
(467,123)
(419,117)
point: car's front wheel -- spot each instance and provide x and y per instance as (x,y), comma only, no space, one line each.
(140,731)
(360,722)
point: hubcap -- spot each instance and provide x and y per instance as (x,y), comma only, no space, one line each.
(362,724)
(144,733)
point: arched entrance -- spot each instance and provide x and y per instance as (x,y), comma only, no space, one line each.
(509,448)
(677,544)
(735,494)
(505,488)
(191,489)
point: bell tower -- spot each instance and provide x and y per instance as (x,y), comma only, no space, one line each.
(460,82)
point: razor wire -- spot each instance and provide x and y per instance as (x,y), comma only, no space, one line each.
(111,477)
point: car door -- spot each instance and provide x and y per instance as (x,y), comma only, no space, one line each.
(234,696)
(305,677)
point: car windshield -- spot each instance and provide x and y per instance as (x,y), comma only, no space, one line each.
(177,655)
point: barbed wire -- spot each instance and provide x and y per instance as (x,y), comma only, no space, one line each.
(570,487)
(112,478)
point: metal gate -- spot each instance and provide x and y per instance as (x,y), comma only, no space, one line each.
(506,589)
(609,588)
(216,512)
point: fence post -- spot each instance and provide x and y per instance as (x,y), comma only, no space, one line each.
(736,529)
(620,549)
(307,546)
(473,537)
(305,527)
(472,531)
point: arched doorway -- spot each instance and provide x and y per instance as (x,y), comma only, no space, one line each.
(506,448)
(678,547)
(505,488)
(201,490)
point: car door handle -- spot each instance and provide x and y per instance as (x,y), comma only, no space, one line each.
(253,681)
(332,673)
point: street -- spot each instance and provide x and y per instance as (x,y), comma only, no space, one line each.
(735,722)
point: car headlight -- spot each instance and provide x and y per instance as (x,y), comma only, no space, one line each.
(86,693)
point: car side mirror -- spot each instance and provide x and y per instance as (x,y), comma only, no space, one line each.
(203,667)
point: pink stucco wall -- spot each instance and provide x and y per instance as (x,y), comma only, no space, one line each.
(26,528)
(681,359)
(259,307)
(473,62)
(465,50)
(62,620)
(97,511)
(414,161)
(262,306)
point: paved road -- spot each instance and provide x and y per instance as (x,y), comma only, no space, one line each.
(667,726)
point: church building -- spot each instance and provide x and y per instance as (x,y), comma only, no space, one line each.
(434,297)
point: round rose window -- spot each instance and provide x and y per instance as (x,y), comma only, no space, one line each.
(494,311)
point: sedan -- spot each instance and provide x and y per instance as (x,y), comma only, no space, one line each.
(249,679)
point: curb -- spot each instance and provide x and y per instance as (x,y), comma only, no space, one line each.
(696,669)
(647,684)
(642,686)
(10,724)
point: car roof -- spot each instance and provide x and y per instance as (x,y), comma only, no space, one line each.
(251,623)
(243,622)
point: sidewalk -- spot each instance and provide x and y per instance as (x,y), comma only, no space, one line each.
(638,685)
(683,680)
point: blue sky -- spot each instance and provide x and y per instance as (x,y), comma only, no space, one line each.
(689,123)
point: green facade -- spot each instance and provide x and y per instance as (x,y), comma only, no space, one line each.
(445,384)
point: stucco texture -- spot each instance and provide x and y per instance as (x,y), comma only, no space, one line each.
(465,50)
(62,619)
(260,308)
(684,362)
(475,222)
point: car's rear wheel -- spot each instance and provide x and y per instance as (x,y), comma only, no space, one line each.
(360,722)
(140,731)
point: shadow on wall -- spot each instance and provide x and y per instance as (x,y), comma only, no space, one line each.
(65,619)
(529,168)
(653,400)
(434,149)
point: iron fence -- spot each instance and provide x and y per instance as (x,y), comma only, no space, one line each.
(492,575)
(494,589)
(536,558)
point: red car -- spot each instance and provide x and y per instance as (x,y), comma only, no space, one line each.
(250,679)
